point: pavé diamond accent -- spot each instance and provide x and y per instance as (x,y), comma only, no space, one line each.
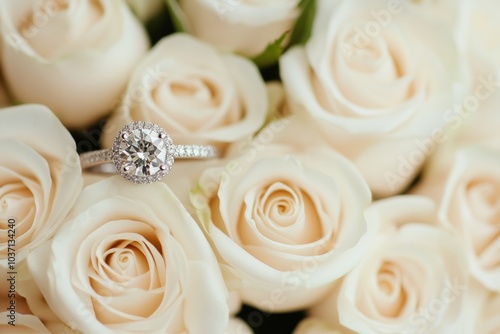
(143,152)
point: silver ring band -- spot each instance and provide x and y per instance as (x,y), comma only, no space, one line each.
(143,152)
(95,158)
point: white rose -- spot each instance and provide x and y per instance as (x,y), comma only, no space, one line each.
(478,116)
(40,179)
(238,326)
(489,321)
(453,13)
(483,27)
(146,9)
(197,94)
(73,56)
(314,326)
(473,121)
(470,205)
(242,26)
(130,258)
(413,280)
(285,216)
(377,78)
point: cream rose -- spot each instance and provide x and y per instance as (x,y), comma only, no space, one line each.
(314,326)
(376,77)
(40,179)
(473,121)
(47,321)
(73,56)
(146,10)
(478,116)
(453,13)
(194,92)
(285,216)
(483,26)
(413,280)
(489,322)
(130,258)
(471,206)
(242,26)
(238,326)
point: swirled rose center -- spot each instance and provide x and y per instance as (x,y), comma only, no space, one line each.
(484,199)
(15,199)
(287,208)
(280,213)
(390,295)
(280,206)
(127,266)
(188,98)
(191,92)
(127,260)
(196,90)
(279,219)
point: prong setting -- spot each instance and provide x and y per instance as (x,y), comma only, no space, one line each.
(143,152)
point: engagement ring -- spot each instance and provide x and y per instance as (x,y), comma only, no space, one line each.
(143,152)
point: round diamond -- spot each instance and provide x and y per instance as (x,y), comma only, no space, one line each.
(142,152)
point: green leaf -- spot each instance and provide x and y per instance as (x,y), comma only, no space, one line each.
(271,54)
(176,14)
(304,24)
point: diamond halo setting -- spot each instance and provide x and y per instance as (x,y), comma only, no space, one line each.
(143,152)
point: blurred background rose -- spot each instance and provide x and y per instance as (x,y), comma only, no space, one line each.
(489,321)
(470,205)
(454,14)
(483,26)
(146,9)
(314,326)
(241,26)
(414,279)
(73,56)
(473,121)
(377,85)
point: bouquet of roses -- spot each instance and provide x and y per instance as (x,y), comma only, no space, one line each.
(249,166)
